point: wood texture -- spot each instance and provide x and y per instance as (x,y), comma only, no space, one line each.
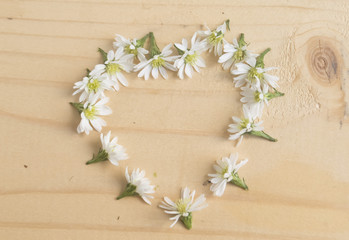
(175,130)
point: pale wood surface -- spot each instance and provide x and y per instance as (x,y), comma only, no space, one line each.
(299,186)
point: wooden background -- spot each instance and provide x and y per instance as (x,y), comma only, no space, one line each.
(175,130)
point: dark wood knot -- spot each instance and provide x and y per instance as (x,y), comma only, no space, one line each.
(323,60)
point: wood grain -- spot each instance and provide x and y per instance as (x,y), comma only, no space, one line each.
(175,130)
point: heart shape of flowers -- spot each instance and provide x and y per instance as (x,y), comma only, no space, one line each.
(250,74)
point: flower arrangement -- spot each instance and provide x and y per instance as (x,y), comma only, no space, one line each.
(258,87)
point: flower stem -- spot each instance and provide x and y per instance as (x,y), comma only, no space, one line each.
(129,191)
(260,58)
(87,72)
(274,94)
(140,42)
(187,221)
(241,41)
(104,54)
(263,135)
(102,155)
(227,24)
(78,106)
(238,181)
(154,49)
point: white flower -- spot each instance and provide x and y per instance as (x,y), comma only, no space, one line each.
(90,116)
(133,46)
(244,125)
(157,64)
(234,54)
(226,171)
(248,73)
(138,184)
(115,63)
(115,151)
(92,87)
(255,97)
(183,207)
(110,151)
(214,39)
(190,58)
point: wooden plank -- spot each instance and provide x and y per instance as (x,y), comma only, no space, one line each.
(173,129)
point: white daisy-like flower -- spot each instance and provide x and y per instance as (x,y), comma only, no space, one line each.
(214,39)
(132,46)
(138,184)
(245,125)
(249,124)
(157,64)
(183,208)
(226,171)
(190,57)
(252,74)
(115,63)
(110,150)
(92,87)
(90,115)
(235,53)
(255,97)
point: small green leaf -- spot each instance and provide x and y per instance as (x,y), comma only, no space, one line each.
(241,41)
(187,221)
(78,106)
(227,24)
(260,58)
(87,72)
(129,191)
(154,49)
(238,181)
(263,135)
(140,42)
(103,53)
(274,94)
(102,155)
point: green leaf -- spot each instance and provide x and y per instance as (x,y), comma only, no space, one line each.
(154,49)
(238,181)
(241,41)
(262,134)
(227,24)
(102,155)
(187,221)
(129,191)
(274,94)
(78,106)
(260,58)
(103,53)
(87,72)
(140,42)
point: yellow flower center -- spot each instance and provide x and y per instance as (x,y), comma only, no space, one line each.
(258,96)
(252,74)
(130,50)
(191,59)
(245,123)
(90,112)
(158,62)
(213,39)
(93,85)
(239,55)
(113,68)
(225,170)
(182,205)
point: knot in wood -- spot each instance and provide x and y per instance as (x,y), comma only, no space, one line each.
(323,60)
